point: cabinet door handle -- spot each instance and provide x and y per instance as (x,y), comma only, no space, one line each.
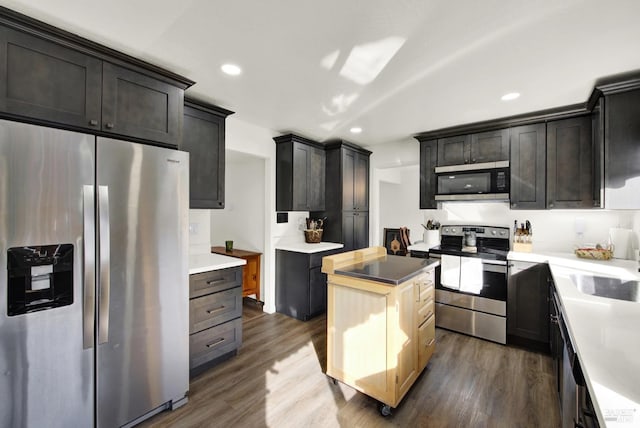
(514,205)
(109,125)
(430,343)
(211,311)
(212,344)
(215,281)
(93,122)
(550,205)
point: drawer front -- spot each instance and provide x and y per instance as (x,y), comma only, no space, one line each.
(214,342)
(213,309)
(214,281)
(426,341)
(426,311)
(427,293)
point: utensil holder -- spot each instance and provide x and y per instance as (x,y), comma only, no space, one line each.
(431,238)
(312,236)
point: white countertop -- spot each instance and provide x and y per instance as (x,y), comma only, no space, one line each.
(605,333)
(303,247)
(199,263)
(421,246)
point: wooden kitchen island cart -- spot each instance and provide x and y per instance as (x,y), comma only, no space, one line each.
(380,321)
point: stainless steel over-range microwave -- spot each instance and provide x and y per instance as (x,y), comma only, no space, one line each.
(482,181)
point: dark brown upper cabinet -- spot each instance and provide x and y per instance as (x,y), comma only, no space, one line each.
(43,80)
(300,174)
(597,132)
(140,106)
(428,160)
(570,163)
(204,138)
(527,164)
(622,150)
(56,78)
(355,182)
(490,146)
(454,150)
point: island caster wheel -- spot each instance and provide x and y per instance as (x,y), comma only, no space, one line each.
(385,410)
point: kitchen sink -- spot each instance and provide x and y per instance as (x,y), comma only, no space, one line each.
(612,288)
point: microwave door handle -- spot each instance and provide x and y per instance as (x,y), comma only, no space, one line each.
(105,268)
(89,266)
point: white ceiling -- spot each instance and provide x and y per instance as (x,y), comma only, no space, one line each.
(393,67)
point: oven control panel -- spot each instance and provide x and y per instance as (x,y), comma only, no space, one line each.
(480,231)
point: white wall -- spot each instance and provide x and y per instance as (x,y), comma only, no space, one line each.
(243,218)
(399,202)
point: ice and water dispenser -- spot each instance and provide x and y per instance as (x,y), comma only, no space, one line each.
(39,277)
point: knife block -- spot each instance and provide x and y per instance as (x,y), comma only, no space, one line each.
(523,247)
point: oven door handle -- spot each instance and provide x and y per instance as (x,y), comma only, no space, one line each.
(494,262)
(500,269)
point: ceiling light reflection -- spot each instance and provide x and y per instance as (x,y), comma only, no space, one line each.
(330,60)
(510,96)
(366,61)
(339,104)
(231,69)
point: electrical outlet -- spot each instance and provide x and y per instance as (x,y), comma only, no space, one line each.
(302,224)
(193,228)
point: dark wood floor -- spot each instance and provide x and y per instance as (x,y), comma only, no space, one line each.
(277,380)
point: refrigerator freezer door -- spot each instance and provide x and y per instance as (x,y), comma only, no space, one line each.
(144,363)
(46,374)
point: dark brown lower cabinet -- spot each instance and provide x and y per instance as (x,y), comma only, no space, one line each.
(528,305)
(301,288)
(355,230)
(215,317)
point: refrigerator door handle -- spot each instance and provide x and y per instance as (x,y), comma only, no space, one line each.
(89,265)
(105,250)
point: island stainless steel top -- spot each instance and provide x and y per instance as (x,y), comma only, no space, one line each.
(390,269)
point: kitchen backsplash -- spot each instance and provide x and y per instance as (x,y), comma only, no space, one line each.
(292,231)
(199,231)
(553,230)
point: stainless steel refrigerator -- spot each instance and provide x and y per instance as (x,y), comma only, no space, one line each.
(94,292)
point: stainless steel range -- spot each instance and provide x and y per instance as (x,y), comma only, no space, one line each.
(471,293)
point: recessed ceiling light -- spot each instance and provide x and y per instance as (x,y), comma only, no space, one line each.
(356,130)
(510,96)
(231,69)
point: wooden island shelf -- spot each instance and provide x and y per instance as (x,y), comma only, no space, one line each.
(380,321)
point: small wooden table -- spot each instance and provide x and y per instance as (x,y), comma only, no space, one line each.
(250,271)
